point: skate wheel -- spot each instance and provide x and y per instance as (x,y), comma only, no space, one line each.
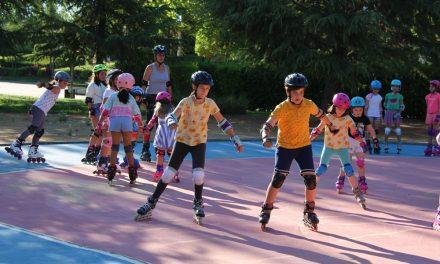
(146,217)
(198,220)
(29,160)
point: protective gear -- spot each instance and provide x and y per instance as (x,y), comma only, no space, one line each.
(198,176)
(341,100)
(171,119)
(202,77)
(320,114)
(360,162)
(99,67)
(315,133)
(137,91)
(368,144)
(159,49)
(160,152)
(398,131)
(321,169)
(107,142)
(357,101)
(309,179)
(111,74)
(88,100)
(39,133)
(115,147)
(295,80)
(278,179)
(376,147)
(396,82)
(267,127)
(128,149)
(168,175)
(163,96)
(435,84)
(32,129)
(348,169)
(224,125)
(61,76)
(387,131)
(125,80)
(375,84)
(236,141)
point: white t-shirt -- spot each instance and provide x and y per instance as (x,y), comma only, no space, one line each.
(108,92)
(374,102)
(46,101)
(95,92)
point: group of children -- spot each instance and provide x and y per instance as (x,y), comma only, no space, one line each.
(183,129)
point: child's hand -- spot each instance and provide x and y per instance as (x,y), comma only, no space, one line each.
(315,133)
(239,148)
(267,143)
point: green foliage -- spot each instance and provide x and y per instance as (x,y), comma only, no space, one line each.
(22,104)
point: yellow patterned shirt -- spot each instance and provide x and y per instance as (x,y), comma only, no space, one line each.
(293,123)
(192,128)
(338,140)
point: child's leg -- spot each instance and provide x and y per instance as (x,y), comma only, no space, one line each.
(326,154)
(360,163)
(116,138)
(160,153)
(344,158)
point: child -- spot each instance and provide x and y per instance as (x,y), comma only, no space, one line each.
(191,137)
(120,108)
(432,116)
(164,136)
(106,144)
(373,108)
(394,106)
(362,124)
(38,113)
(336,141)
(94,94)
(292,118)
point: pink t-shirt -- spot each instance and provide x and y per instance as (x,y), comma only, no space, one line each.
(432,103)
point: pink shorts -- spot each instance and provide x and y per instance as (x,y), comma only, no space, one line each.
(430,119)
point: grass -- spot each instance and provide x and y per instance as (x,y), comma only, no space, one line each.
(21,104)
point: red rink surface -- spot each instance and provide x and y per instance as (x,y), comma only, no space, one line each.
(72,204)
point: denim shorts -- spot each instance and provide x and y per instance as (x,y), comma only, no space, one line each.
(121,124)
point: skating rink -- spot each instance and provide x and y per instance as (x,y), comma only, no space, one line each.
(60,212)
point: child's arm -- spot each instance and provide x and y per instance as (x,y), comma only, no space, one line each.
(357,136)
(367,103)
(173,117)
(226,127)
(151,124)
(266,131)
(317,130)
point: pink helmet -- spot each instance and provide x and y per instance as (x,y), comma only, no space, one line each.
(162,96)
(435,83)
(125,81)
(341,100)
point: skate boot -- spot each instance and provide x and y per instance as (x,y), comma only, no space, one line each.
(359,197)
(368,142)
(111,173)
(94,155)
(436,151)
(145,211)
(86,157)
(102,166)
(132,174)
(176,178)
(198,211)
(376,146)
(145,153)
(34,155)
(265,216)
(436,223)
(340,184)
(310,218)
(15,149)
(362,183)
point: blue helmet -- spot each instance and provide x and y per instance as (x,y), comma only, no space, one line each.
(136,90)
(61,76)
(357,101)
(159,49)
(396,82)
(375,84)
(296,80)
(201,77)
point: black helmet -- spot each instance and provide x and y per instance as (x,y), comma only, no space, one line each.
(111,74)
(159,49)
(296,80)
(202,77)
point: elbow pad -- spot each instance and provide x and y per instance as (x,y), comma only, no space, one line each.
(88,100)
(224,125)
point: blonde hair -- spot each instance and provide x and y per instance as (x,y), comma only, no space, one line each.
(162,109)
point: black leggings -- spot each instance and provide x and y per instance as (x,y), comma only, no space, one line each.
(180,151)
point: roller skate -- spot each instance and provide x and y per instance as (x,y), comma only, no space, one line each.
(199,214)
(368,143)
(89,158)
(436,223)
(176,178)
(376,146)
(362,183)
(34,155)
(310,219)
(15,149)
(146,210)
(359,198)
(436,151)
(265,216)
(102,167)
(111,173)
(132,174)
(340,184)
(145,153)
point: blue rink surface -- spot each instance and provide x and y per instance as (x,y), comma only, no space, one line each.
(72,153)
(20,246)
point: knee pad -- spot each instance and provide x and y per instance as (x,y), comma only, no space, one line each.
(160,152)
(387,131)
(127,149)
(360,162)
(39,133)
(278,179)
(107,142)
(115,147)
(348,169)
(198,176)
(32,129)
(321,169)
(309,179)
(398,131)
(168,175)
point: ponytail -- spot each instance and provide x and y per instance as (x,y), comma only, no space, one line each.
(123,96)
(47,85)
